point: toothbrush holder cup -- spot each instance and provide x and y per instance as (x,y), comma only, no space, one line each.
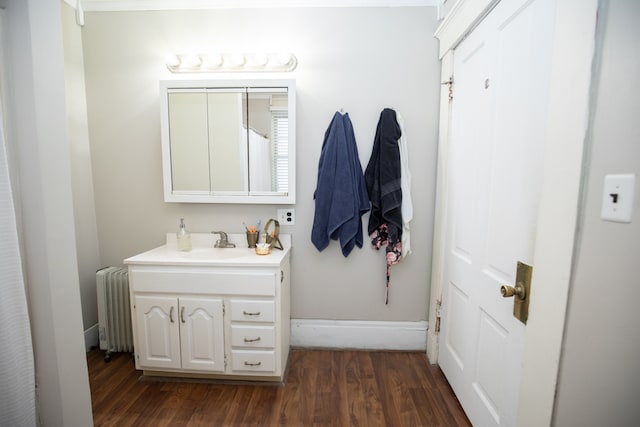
(252,238)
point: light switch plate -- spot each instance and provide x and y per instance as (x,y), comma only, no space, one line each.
(617,197)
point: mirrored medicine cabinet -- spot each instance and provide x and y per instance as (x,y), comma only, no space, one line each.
(228,141)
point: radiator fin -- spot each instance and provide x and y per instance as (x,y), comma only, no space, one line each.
(114,310)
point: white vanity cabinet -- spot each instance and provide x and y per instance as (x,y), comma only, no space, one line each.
(224,319)
(180,332)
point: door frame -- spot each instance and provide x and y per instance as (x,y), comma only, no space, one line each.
(566,132)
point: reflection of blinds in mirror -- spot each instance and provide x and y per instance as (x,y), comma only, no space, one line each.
(280,150)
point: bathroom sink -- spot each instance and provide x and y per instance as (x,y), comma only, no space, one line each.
(204,254)
(215,254)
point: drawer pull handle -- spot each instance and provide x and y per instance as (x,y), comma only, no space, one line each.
(246,313)
(251,339)
(252,364)
(171,315)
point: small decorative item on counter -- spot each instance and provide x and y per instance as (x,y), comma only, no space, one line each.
(272,234)
(184,237)
(252,238)
(263,248)
(252,234)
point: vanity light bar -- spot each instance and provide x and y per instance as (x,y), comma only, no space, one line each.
(231,62)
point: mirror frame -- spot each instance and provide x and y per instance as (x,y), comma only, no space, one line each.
(199,197)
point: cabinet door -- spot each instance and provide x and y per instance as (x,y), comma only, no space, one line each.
(202,334)
(158,331)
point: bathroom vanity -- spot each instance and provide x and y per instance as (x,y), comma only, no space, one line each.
(211,312)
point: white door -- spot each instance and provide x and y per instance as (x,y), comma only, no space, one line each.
(501,85)
(202,334)
(158,331)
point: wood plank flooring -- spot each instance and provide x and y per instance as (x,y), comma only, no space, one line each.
(322,388)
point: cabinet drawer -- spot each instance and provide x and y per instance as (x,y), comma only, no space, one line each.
(253,360)
(252,311)
(252,336)
(203,281)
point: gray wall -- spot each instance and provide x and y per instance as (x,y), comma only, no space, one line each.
(358,59)
(599,380)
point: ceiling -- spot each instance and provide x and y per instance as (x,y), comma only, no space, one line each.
(141,5)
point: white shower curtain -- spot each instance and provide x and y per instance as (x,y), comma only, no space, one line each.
(17,374)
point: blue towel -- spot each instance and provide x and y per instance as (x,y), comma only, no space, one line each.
(341,197)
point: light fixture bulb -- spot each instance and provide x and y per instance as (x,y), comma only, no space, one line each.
(172,61)
(237,60)
(190,61)
(212,61)
(283,59)
(258,60)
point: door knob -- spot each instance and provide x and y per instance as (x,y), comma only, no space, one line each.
(521,291)
(509,291)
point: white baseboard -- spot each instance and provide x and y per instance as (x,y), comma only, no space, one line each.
(91,337)
(358,334)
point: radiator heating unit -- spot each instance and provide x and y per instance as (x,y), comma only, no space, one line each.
(114,312)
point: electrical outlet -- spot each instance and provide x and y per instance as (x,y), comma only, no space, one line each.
(286,216)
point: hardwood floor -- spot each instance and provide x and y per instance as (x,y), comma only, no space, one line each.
(322,388)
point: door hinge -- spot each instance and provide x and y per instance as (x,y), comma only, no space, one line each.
(450,83)
(438,305)
(224,309)
(225,361)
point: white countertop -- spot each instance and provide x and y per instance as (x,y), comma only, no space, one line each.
(204,254)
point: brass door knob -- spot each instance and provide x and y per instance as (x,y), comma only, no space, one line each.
(509,291)
(521,291)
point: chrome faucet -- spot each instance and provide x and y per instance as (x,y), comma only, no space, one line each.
(223,241)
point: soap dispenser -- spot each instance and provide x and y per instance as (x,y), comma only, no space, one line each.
(184,237)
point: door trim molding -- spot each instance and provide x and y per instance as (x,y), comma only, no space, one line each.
(464,16)
(440,217)
(359,334)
